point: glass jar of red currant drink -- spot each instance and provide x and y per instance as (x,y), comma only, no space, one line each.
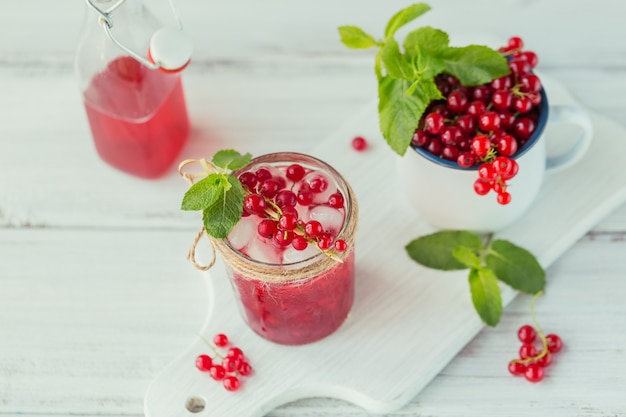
(291,257)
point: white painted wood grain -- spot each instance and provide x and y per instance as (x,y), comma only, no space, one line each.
(76,340)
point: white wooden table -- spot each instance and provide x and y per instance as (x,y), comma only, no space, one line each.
(95,294)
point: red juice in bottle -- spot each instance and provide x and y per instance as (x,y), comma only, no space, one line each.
(138,117)
(293,295)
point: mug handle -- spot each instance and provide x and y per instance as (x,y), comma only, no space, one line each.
(577,116)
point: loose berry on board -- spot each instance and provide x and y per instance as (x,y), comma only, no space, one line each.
(220,340)
(359,143)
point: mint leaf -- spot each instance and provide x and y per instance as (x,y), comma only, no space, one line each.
(486,295)
(400,106)
(466,256)
(396,63)
(220,217)
(425,45)
(205,192)
(474,64)
(405,16)
(356,38)
(516,267)
(397,112)
(426,40)
(230,159)
(436,250)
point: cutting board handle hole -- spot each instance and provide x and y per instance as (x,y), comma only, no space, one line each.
(195,404)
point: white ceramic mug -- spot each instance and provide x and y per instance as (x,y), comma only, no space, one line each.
(443,193)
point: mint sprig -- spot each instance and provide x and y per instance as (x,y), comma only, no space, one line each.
(406,80)
(219,195)
(488,262)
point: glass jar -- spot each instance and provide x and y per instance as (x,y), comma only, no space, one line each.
(136,110)
(301,298)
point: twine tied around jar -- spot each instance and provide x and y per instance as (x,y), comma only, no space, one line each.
(248,267)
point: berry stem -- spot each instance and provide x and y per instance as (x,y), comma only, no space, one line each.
(544,341)
(212,347)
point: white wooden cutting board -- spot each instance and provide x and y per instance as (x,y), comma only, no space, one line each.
(407,322)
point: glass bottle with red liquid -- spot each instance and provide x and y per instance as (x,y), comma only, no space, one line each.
(129,69)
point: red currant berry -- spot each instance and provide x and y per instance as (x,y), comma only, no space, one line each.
(313,228)
(526,334)
(325,241)
(420,139)
(482,93)
(517,368)
(506,145)
(295,172)
(534,373)
(466,160)
(254,204)
(502,99)
(204,363)
(288,221)
(457,101)
(499,186)
(507,120)
(515,42)
(466,123)
(486,171)
(504,198)
(283,238)
(451,135)
(530,57)
(522,104)
(230,364)
(248,180)
(335,200)
(341,245)
(476,108)
(555,343)
(481,186)
(220,340)
(286,198)
(434,123)
(217,372)
(299,242)
(318,184)
(489,121)
(530,82)
(502,83)
(269,188)
(263,174)
(267,228)
(505,166)
(545,360)
(231,383)
(235,352)
(527,351)
(524,127)
(450,152)
(359,143)
(480,145)
(519,66)
(435,147)
(244,368)
(305,197)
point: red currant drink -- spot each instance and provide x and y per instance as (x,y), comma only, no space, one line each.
(138,117)
(294,273)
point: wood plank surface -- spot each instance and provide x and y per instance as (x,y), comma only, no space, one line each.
(95,300)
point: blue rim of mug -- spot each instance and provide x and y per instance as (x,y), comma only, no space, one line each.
(541,124)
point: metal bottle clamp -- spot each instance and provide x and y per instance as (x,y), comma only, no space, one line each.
(107,23)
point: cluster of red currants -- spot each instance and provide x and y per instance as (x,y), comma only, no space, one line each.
(227,369)
(532,363)
(268,197)
(475,125)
